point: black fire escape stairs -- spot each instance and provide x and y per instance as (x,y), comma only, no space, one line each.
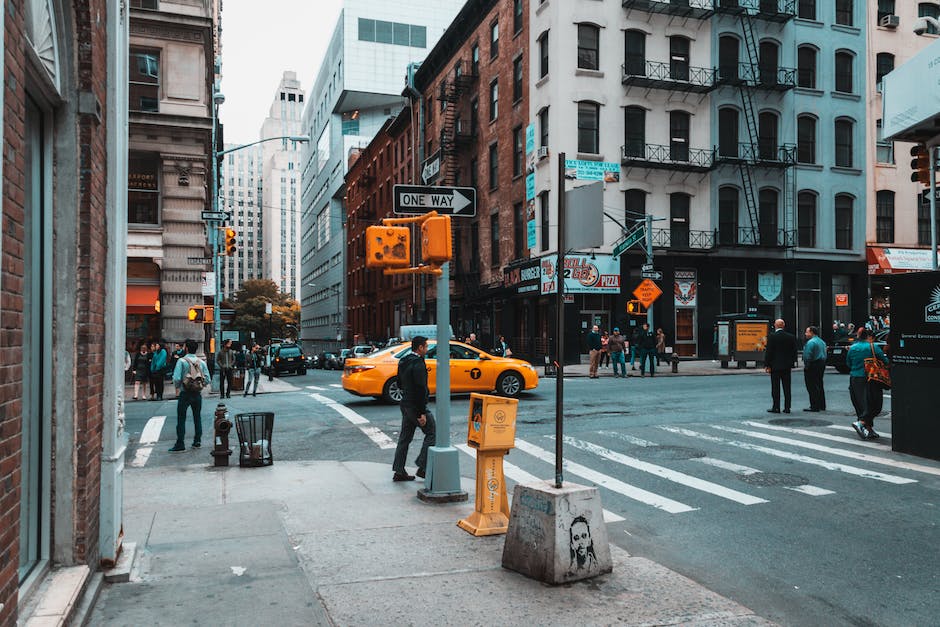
(750,119)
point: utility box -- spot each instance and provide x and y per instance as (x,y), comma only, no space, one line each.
(492,422)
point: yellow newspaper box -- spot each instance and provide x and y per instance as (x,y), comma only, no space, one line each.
(492,422)
(492,431)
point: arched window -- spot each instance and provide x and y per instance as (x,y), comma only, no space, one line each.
(844,207)
(679,215)
(634,53)
(728,211)
(679,122)
(806,219)
(634,124)
(589,114)
(728,58)
(844,63)
(679,58)
(806,139)
(728,122)
(769,53)
(589,37)
(806,67)
(844,128)
(884,216)
(929,9)
(767,123)
(767,215)
(884,63)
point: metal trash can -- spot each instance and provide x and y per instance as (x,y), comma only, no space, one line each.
(238,380)
(254,438)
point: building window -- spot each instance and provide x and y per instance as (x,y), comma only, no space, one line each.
(475,60)
(381,32)
(884,216)
(494,239)
(807,10)
(923,219)
(768,62)
(494,99)
(733,291)
(844,209)
(767,124)
(543,219)
(494,166)
(884,63)
(806,219)
(475,246)
(634,132)
(728,132)
(634,202)
(145,4)
(518,149)
(885,8)
(543,55)
(843,128)
(474,116)
(767,208)
(517,79)
(679,58)
(844,14)
(844,72)
(517,13)
(494,40)
(144,81)
(589,114)
(679,123)
(518,230)
(728,212)
(679,210)
(929,9)
(350,123)
(728,58)
(543,128)
(474,172)
(806,139)
(143,189)
(588,46)
(806,67)
(884,150)
(634,46)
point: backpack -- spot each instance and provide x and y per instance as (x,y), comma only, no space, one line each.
(193,379)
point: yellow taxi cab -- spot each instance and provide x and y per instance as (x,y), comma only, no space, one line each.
(471,370)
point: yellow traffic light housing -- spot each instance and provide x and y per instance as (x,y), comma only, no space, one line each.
(436,241)
(635,308)
(920,165)
(388,247)
(195,314)
(201,313)
(231,241)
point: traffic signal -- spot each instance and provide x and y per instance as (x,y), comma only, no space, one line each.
(436,241)
(920,165)
(231,241)
(635,308)
(201,313)
(388,247)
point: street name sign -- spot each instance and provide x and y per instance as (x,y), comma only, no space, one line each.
(632,238)
(647,267)
(199,261)
(654,275)
(431,168)
(215,215)
(647,292)
(448,201)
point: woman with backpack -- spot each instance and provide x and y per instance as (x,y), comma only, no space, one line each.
(141,368)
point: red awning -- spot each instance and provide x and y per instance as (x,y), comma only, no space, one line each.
(142,299)
(885,260)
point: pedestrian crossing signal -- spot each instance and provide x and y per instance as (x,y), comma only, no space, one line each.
(388,247)
(436,240)
(635,308)
(201,313)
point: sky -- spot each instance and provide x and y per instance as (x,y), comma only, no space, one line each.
(260,41)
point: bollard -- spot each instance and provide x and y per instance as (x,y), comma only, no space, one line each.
(222,426)
(675,363)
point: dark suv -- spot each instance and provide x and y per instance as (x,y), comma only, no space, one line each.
(288,358)
(835,352)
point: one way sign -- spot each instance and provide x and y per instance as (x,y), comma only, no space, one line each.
(450,201)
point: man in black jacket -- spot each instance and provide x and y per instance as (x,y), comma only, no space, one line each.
(413,381)
(647,349)
(779,358)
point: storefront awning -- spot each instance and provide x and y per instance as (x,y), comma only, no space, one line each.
(898,260)
(142,299)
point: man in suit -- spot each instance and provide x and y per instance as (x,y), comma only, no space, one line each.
(779,358)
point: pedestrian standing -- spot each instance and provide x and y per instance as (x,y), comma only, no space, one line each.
(141,370)
(814,366)
(647,350)
(503,347)
(779,357)
(594,350)
(159,363)
(605,354)
(253,362)
(634,346)
(660,346)
(413,381)
(226,363)
(616,347)
(190,378)
(867,397)
(473,341)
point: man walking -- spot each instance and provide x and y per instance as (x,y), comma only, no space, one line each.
(616,346)
(594,348)
(647,350)
(189,378)
(814,366)
(226,363)
(413,381)
(867,397)
(779,358)
(253,363)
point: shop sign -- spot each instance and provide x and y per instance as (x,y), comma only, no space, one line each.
(769,285)
(686,288)
(142,181)
(583,275)
(592,170)
(842,300)
(524,278)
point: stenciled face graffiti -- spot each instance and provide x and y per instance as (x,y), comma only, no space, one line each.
(583,557)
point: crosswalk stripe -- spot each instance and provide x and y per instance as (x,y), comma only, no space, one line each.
(810,490)
(149,436)
(852,470)
(854,441)
(521,476)
(373,433)
(336,385)
(615,485)
(665,473)
(848,429)
(315,387)
(894,463)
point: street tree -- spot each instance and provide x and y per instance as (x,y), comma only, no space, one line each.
(249,305)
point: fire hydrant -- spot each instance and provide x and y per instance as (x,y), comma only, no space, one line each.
(675,363)
(222,425)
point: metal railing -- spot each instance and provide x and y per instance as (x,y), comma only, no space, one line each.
(667,74)
(753,75)
(766,237)
(675,156)
(683,240)
(758,153)
(769,9)
(686,8)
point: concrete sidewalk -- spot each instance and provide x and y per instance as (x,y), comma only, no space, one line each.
(338,543)
(690,368)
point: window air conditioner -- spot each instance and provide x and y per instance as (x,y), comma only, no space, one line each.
(543,152)
(890,21)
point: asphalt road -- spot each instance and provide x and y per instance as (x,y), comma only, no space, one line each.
(792,516)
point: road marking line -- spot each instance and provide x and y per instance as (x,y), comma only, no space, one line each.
(615,485)
(336,385)
(315,387)
(852,470)
(864,457)
(521,476)
(665,473)
(852,431)
(854,441)
(374,433)
(628,438)
(810,490)
(148,438)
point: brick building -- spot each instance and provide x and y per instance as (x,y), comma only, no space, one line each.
(473,115)
(377,304)
(63,227)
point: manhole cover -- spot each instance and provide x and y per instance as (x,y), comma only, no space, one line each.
(670,452)
(800,422)
(778,479)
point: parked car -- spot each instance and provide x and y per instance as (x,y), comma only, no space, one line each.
(288,358)
(329,361)
(835,352)
(471,370)
(341,358)
(313,361)
(361,350)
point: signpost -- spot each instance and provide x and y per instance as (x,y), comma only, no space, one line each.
(631,239)
(219,216)
(199,261)
(449,201)
(647,267)
(647,292)
(654,275)
(431,168)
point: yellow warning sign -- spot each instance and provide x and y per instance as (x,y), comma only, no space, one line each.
(647,292)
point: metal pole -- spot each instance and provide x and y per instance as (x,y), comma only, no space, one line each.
(933,207)
(214,240)
(649,259)
(560,330)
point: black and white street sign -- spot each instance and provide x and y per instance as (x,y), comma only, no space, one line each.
(221,216)
(199,261)
(431,168)
(655,275)
(647,267)
(450,201)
